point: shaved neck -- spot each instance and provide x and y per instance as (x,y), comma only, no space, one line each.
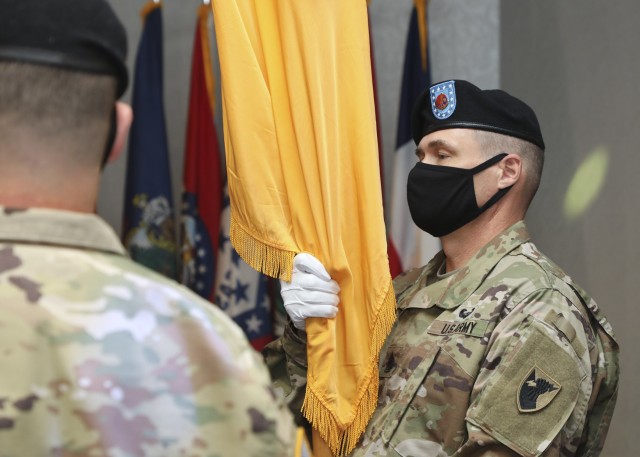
(53,134)
(44,177)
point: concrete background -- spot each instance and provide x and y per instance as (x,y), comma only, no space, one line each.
(574,62)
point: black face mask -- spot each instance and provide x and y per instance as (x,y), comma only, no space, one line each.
(443,199)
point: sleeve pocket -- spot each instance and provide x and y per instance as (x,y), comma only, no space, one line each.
(534,392)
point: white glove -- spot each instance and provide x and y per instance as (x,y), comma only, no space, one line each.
(311,292)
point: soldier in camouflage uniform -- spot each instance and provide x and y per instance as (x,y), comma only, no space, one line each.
(495,351)
(98,355)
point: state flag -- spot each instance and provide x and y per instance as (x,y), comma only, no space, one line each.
(148,224)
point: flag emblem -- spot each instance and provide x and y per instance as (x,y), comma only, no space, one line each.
(536,391)
(443,99)
(150,242)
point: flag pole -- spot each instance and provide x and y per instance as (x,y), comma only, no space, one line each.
(319,446)
(421,10)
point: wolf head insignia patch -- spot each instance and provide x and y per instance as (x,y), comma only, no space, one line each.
(443,99)
(536,391)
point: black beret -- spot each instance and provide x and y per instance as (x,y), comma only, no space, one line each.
(79,35)
(460,104)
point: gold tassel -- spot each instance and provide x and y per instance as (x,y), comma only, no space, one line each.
(342,441)
(269,260)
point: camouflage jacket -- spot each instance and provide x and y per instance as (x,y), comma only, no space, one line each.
(504,357)
(102,357)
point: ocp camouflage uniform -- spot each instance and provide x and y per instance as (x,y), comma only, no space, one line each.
(504,357)
(102,357)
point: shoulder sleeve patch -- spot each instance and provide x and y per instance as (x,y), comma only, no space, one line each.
(536,391)
(533,391)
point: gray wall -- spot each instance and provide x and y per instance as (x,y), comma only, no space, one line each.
(577,63)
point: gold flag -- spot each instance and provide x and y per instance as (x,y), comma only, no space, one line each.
(303,174)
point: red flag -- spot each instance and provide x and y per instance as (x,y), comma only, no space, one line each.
(203,186)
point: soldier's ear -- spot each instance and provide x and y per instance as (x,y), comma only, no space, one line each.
(124,118)
(510,170)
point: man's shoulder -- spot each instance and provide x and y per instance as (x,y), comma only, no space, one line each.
(127,343)
(529,262)
(68,284)
(165,296)
(538,286)
(528,265)
(543,289)
(121,330)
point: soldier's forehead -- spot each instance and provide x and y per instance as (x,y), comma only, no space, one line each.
(452,139)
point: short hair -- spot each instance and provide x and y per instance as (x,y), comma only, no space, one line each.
(50,102)
(532,157)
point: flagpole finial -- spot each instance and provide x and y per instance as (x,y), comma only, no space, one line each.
(421,7)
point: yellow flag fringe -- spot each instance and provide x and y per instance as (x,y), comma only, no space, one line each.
(342,441)
(269,260)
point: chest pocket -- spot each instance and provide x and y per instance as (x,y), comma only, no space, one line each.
(402,375)
(427,389)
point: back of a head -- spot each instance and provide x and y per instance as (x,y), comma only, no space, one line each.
(61,69)
(66,112)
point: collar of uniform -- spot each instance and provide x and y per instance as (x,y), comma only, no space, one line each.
(410,285)
(58,228)
(451,291)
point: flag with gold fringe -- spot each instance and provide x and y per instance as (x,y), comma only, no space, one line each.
(303,176)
